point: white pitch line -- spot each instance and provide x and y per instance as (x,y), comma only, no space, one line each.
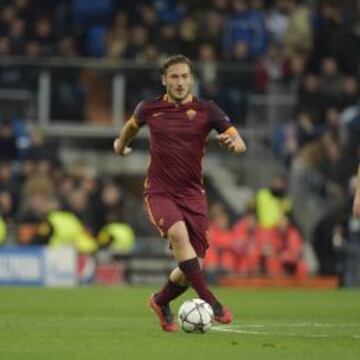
(236,330)
(292,325)
(263,333)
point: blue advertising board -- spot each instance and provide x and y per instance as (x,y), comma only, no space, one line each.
(38,266)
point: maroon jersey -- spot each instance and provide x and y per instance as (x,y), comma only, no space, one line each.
(178,134)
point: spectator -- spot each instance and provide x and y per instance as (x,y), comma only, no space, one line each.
(109,207)
(188,34)
(277,21)
(273,203)
(22,7)
(67,47)
(8,148)
(150,55)
(332,165)
(40,148)
(3,231)
(168,41)
(117,38)
(220,256)
(5,46)
(291,137)
(311,98)
(349,93)
(8,15)
(221,6)
(347,46)
(281,249)
(7,205)
(328,22)
(118,237)
(238,84)
(43,34)
(246,233)
(308,129)
(332,233)
(149,19)
(138,39)
(78,203)
(207,72)
(211,30)
(236,249)
(271,69)
(248,26)
(34,50)
(17,34)
(299,36)
(332,122)
(169,11)
(62,228)
(296,67)
(331,81)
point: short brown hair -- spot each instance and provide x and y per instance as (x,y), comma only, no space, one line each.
(176,59)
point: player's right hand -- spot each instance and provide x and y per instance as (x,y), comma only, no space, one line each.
(356,206)
(121,150)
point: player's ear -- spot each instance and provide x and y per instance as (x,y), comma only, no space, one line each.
(163,79)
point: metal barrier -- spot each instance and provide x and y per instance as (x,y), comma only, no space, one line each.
(84,97)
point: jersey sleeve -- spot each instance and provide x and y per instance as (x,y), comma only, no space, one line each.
(218,119)
(140,113)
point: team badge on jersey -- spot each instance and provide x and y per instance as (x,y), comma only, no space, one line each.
(190,114)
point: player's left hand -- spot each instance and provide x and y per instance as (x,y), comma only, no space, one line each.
(227,142)
(356,206)
(119,149)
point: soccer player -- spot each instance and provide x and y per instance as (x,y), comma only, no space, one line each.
(175,199)
(356,204)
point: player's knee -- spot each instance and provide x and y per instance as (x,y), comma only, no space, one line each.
(183,281)
(178,277)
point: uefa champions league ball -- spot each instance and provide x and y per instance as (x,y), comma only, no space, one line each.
(195,316)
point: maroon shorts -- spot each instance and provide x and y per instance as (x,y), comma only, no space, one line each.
(164,212)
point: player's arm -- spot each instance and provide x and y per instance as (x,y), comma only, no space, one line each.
(127,133)
(356,204)
(231,140)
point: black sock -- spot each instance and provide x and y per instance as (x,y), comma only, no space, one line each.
(194,275)
(169,292)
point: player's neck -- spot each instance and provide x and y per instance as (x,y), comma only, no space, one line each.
(170,99)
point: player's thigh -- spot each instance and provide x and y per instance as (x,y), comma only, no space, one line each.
(163,212)
(178,234)
(197,223)
(197,230)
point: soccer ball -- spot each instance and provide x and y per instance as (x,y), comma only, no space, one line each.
(195,316)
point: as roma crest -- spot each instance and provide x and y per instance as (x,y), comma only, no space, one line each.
(190,114)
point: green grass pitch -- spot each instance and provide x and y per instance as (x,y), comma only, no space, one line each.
(115,323)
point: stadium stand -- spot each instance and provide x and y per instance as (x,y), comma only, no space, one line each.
(286,72)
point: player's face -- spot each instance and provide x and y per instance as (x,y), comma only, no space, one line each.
(178,81)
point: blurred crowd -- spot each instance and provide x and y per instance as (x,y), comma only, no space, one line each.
(306,46)
(43,202)
(148,29)
(309,49)
(264,241)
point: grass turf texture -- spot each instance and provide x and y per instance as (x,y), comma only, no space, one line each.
(115,323)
